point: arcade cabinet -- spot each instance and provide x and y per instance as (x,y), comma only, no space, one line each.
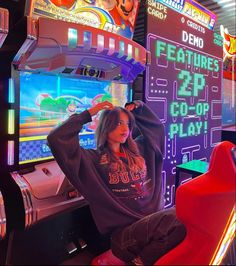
(66,59)
(183,81)
(4,28)
(229,87)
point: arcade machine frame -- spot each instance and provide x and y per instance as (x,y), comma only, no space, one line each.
(4,27)
(44,46)
(229,87)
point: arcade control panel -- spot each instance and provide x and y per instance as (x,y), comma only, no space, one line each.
(46,191)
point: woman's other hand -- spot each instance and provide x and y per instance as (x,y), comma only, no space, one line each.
(99,107)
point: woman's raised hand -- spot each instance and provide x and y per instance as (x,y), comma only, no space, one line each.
(100,106)
(130,106)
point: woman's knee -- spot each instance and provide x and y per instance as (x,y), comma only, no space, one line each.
(177,235)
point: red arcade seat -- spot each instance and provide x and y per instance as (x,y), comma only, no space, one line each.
(206,205)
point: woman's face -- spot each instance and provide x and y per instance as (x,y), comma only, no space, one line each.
(124,8)
(121,132)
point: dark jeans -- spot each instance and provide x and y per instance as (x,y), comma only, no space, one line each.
(149,238)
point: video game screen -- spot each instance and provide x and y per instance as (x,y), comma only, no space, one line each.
(228,102)
(46,101)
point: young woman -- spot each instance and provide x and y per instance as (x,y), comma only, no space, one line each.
(121,179)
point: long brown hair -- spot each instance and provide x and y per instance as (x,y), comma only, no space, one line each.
(108,121)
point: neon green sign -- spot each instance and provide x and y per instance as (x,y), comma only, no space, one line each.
(198,83)
(183,109)
(179,55)
(187,130)
(189,85)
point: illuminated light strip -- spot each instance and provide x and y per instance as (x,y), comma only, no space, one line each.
(45,137)
(72,38)
(121,48)
(136,54)
(11,91)
(131,95)
(32,138)
(10,150)
(11,121)
(100,43)
(36,160)
(87,39)
(130,51)
(111,46)
(227,238)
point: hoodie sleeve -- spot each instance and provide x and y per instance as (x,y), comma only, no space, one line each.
(149,126)
(64,144)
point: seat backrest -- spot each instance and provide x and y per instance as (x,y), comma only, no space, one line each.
(222,163)
(205,205)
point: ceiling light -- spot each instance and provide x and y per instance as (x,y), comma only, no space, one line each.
(223,1)
(229,5)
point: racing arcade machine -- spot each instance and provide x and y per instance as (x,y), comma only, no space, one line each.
(72,57)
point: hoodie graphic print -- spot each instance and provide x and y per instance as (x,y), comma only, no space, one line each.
(128,185)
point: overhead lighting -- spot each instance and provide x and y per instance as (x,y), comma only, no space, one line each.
(229,5)
(224,1)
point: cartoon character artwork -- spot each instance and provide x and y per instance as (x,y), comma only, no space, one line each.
(122,13)
(85,3)
(66,4)
(71,108)
(228,42)
(72,4)
(106,4)
(116,16)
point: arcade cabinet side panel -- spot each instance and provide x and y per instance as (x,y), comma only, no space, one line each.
(183,86)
